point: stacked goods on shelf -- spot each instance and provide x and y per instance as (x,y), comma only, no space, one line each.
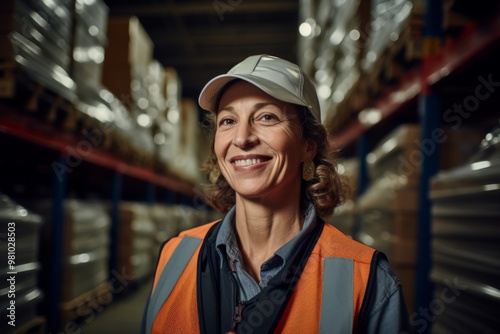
(344,215)
(91,20)
(167,224)
(388,208)
(338,52)
(163,127)
(84,253)
(170,220)
(89,43)
(334,37)
(394,22)
(465,243)
(19,242)
(167,136)
(358,50)
(125,74)
(186,164)
(86,247)
(35,51)
(136,240)
(180,146)
(167,130)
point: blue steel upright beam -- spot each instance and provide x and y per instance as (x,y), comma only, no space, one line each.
(430,119)
(116,194)
(363,148)
(56,250)
(150,193)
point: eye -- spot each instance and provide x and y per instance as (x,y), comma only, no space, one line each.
(269,117)
(226,121)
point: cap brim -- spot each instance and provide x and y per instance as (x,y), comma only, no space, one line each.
(210,94)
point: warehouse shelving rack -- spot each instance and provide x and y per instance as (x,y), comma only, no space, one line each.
(430,87)
(23,129)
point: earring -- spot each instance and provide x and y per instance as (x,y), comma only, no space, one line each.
(308,170)
(214,174)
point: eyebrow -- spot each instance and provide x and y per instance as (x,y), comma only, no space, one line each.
(256,107)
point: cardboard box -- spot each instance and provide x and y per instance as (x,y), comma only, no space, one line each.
(128,54)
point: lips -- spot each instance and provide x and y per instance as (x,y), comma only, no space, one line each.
(248,161)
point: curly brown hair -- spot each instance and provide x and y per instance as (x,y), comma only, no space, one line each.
(325,191)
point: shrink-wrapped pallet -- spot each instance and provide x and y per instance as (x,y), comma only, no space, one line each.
(136,240)
(465,242)
(36,36)
(19,242)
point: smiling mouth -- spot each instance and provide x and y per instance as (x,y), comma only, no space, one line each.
(248,162)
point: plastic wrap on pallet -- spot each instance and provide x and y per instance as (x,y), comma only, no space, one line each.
(387,211)
(170,220)
(39,38)
(25,309)
(85,249)
(168,136)
(155,85)
(188,146)
(24,226)
(27,229)
(93,15)
(392,151)
(466,239)
(136,240)
(388,18)
(84,272)
(336,66)
(166,222)
(400,152)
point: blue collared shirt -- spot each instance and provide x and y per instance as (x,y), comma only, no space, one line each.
(227,245)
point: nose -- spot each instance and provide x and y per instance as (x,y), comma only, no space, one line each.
(245,136)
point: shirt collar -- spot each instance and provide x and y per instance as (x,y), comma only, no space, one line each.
(226,238)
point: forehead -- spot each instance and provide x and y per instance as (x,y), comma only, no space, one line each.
(241,90)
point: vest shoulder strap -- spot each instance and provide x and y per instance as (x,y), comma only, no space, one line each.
(337,285)
(169,277)
(174,267)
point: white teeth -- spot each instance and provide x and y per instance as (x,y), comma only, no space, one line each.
(247,162)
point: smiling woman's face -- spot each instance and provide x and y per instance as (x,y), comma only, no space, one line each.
(258,143)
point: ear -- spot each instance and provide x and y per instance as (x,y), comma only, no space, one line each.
(310,150)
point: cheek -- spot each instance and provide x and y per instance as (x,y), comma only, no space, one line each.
(220,145)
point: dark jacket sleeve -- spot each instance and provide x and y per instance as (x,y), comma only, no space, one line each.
(385,308)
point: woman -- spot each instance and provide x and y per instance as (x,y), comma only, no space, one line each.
(272,264)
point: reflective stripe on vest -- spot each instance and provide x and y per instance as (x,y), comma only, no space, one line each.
(169,277)
(338,285)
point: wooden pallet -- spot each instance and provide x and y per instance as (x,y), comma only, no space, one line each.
(88,304)
(35,326)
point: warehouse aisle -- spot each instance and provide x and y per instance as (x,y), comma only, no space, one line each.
(122,316)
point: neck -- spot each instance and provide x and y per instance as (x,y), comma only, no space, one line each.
(262,229)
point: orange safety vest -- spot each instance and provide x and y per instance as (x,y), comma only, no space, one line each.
(327,298)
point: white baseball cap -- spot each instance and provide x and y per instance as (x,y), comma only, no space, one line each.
(283,80)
